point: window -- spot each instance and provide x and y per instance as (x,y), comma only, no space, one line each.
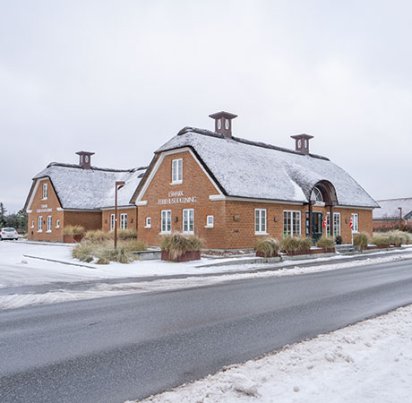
(39,223)
(45,191)
(316,195)
(57,223)
(260,221)
(112,222)
(166,221)
(123,221)
(177,171)
(148,223)
(355,222)
(336,224)
(210,221)
(32,223)
(49,223)
(291,223)
(188,220)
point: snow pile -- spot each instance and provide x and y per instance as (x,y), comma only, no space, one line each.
(367,362)
(268,173)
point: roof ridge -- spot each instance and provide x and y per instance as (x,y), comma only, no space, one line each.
(205,132)
(93,168)
(397,198)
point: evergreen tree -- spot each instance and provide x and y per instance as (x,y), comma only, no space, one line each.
(2,215)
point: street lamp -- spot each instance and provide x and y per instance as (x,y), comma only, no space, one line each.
(400,217)
(118,185)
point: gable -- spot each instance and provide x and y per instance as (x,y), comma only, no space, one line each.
(158,181)
(37,203)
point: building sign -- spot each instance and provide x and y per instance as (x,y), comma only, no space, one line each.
(44,210)
(177,197)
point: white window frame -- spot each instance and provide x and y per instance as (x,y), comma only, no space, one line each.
(40,223)
(112,222)
(123,221)
(188,226)
(57,223)
(32,223)
(260,221)
(336,228)
(355,222)
(177,171)
(166,221)
(49,223)
(45,191)
(210,221)
(148,222)
(294,220)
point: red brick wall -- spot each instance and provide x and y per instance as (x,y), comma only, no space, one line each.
(131,218)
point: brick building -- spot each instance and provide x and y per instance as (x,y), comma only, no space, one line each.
(227,190)
(393,213)
(69,194)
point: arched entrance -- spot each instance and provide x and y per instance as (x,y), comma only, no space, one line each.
(323,195)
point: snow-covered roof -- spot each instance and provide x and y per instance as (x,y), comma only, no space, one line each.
(390,208)
(88,189)
(256,170)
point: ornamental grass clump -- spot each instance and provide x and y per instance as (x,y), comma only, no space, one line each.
(360,241)
(127,234)
(325,242)
(295,245)
(268,247)
(178,244)
(73,230)
(399,238)
(133,245)
(120,255)
(381,241)
(83,251)
(97,236)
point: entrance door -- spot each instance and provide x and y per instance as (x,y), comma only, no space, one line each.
(316,226)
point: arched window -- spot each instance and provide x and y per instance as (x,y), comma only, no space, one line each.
(316,195)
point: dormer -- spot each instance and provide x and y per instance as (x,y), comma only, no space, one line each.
(223,123)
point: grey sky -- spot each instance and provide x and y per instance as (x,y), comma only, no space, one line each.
(122,77)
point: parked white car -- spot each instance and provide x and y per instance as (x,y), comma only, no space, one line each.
(8,233)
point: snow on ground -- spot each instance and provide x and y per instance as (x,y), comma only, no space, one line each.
(19,271)
(370,362)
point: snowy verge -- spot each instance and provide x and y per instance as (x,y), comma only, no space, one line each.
(368,362)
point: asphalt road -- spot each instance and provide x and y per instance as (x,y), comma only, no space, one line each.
(119,348)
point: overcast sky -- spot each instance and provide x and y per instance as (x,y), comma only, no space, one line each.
(120,78)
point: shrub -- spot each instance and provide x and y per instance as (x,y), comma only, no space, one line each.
(269,247)
(360,241)
(120,255)
(133,245)
(127,234)
(326,243)
(102,260)
(381,241)
(292,245)
(97,236)
(338,240)
(83,251)
(177,244)
(73,230)
(399,238)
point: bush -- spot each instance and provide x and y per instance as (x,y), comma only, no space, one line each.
(338,240)
(381,241)
(399,238)
(73,230)
(120,255)
(102,260)
(177,244)
(127,234)
(133,245)
(293,245)
(97,236)
(360,241)
(83,251)
(326,243)
(269,247)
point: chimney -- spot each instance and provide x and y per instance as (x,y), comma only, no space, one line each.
(302,143)
(223,123)
(85,159)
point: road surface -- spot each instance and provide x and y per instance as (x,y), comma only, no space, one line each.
(128,347)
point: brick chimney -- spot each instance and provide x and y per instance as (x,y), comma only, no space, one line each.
(302,143)
(85,158)
(223,123)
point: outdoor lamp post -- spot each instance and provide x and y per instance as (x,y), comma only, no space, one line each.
(118,185)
